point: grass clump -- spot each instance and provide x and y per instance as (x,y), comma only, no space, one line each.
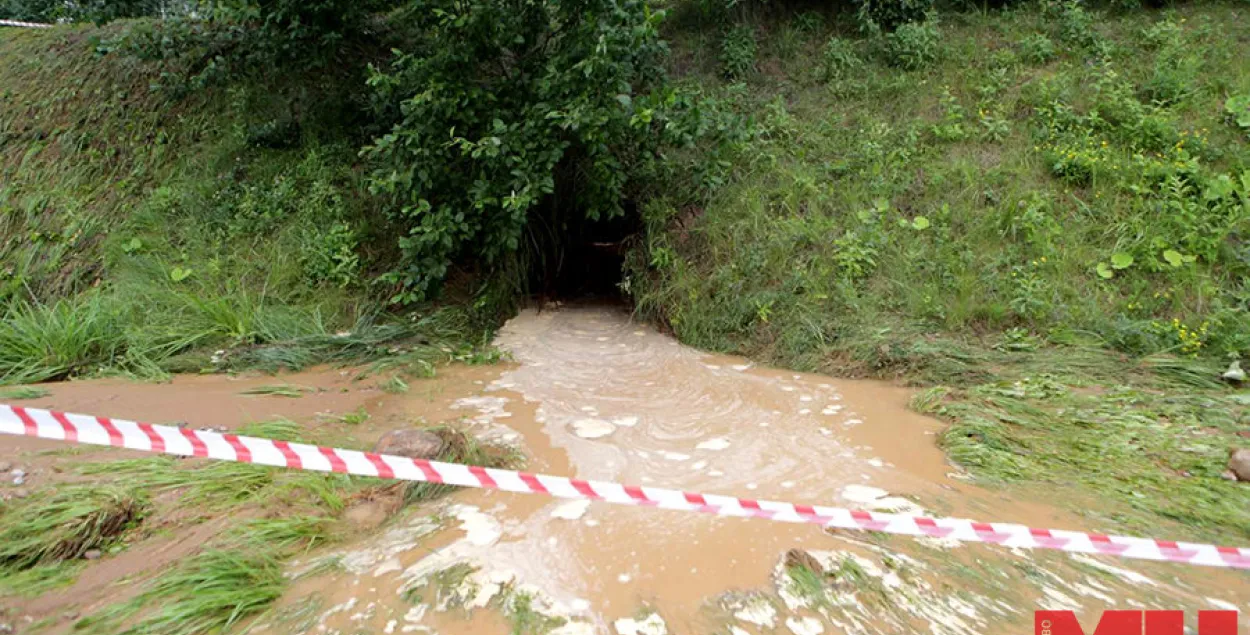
(24,392)
(38,532)
(206,593)
(39,342)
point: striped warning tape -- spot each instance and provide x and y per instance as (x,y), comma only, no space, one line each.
(28,25)
(229,447)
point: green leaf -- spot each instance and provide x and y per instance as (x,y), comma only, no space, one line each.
(920,223)
(1173,257)
(1104,271)
(1121,260)
(132,245)
(180,273)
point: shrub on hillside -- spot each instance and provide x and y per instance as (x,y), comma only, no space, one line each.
(231,39)
(888,15)
(839,59)
(737,52)
(98,11)
(912,46)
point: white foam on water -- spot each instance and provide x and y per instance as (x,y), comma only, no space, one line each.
(592,428)
(804,626)
(652,625)
(571,510)
(715,444)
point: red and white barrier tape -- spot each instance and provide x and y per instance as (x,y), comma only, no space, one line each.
(229,447)
(27,25)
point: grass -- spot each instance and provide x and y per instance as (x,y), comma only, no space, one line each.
(849,223)
(394,385)
(524,620)
(207,593)
(41,342)
(1156,453)
(39,579)
(65,524)
(277,390)
(24,392)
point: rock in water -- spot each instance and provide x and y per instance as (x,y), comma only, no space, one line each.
(414,444)
(1234,373)
(798,558)
(1239,463)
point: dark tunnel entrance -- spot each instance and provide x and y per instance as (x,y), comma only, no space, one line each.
(586,261)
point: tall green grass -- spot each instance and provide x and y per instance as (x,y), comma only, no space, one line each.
(39,342)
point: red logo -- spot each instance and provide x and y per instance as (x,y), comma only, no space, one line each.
(1135,623)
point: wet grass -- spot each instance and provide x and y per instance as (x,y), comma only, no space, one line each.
(394,385)
(809,585)
(207,593)
(277,390)
(65,524)
(24,392)
(1156,453)
(518,608)
(38,579)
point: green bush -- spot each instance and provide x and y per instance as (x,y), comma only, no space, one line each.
(502,111)
(888,15)
(229,40)
(839,59)
(1037,49)
(1074,24)
(737,52)
(912,46)
(98,11)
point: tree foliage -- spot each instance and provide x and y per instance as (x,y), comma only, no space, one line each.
(98,11)
(214,40)
(503,108)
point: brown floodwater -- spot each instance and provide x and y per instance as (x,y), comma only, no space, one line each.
(591,394)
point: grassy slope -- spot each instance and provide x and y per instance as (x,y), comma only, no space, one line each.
(140,233)
(812,257)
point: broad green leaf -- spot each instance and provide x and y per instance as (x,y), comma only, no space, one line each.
(180,273)
(1121,260)
(1173,257)
(920,223)
(1104,271)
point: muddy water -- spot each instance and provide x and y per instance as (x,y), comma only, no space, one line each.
(593,395)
